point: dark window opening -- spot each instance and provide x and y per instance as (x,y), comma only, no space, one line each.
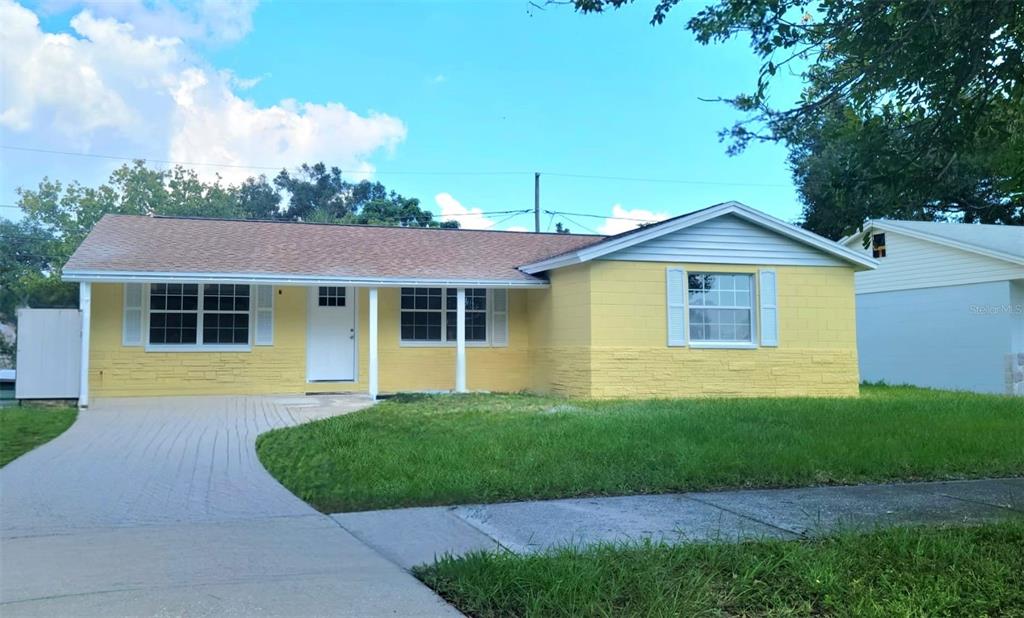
(878,245)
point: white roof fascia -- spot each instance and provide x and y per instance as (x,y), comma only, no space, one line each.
(102,276)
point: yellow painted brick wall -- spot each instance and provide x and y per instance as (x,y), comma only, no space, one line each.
(559,323)
(816,355)
(116,370)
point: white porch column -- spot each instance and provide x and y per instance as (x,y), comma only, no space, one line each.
(372,381)
(85,305)
(460,341)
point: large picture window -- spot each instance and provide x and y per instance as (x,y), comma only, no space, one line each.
(721,308)
(429,315)
(189,314)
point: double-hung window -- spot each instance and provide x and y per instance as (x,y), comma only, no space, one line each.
(173,313)
(721,308)
(190,314)
(429,315)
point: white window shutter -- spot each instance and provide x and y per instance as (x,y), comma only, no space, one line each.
(131,328)
(499,318)
(264,315)
(769,309)
(675,299)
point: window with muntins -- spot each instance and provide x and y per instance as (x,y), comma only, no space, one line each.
(476,314)
(721,308)
(429,314)
(331,296)
(173,313)
(225,314)
(193,314)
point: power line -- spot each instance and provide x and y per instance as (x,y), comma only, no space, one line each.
(275,168)
(667,180)
(578,224)
(464,214)
(272,168)
(497,223)
(583,214)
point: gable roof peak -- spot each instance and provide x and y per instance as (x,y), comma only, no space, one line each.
(656,230)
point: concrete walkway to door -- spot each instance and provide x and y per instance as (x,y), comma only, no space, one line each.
(160,507)
(418,535)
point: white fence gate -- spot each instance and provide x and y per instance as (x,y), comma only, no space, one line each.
(49,353)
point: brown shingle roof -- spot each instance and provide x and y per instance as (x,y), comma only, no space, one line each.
(138,244)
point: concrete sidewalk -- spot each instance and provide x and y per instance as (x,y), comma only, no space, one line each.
(415,536)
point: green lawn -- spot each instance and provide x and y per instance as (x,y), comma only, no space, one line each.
(22,428)
(433,450)
(896,572)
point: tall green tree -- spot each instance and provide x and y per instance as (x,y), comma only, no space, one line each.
(319,194)
(58,216)
(933,88)
(258,199)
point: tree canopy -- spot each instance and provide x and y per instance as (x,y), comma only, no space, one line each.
(318,193)
(909,108)
(58,216)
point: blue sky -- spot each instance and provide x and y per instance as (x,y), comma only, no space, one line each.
(431,98)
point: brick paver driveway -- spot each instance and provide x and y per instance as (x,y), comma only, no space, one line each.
(161,507)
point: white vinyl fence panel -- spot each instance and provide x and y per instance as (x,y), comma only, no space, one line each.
(49,353)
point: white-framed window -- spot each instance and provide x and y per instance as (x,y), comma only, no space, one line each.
(331,296)
(174,314)
(428,315)
(720,308)
(198,316)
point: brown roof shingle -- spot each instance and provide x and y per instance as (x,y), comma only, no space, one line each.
(139,244)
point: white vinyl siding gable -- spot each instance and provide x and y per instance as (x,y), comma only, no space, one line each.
(727,239)
(912,263)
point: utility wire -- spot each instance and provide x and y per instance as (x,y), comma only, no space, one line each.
(583,214)
(247,167)
(516,214)
(464,214)
(578,224)
(668,180)
(275,168)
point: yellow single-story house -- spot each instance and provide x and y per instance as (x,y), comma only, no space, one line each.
(724,301)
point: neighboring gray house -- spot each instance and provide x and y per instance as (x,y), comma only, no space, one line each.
(944,308)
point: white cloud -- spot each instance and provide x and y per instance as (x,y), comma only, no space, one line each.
(453,210)
(623,220)
(110,83)
(439,78)
(516,228)
(222,21)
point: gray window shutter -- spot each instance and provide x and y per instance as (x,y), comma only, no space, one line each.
(675,299)
(769,309)
(499,318)
(131,328)
(264,315)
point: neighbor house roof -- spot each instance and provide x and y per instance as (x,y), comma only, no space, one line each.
(1005,242)
(611,244)
(125,248)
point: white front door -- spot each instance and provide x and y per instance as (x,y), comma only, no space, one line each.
(331,334)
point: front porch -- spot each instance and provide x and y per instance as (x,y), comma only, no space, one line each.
(154,338)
